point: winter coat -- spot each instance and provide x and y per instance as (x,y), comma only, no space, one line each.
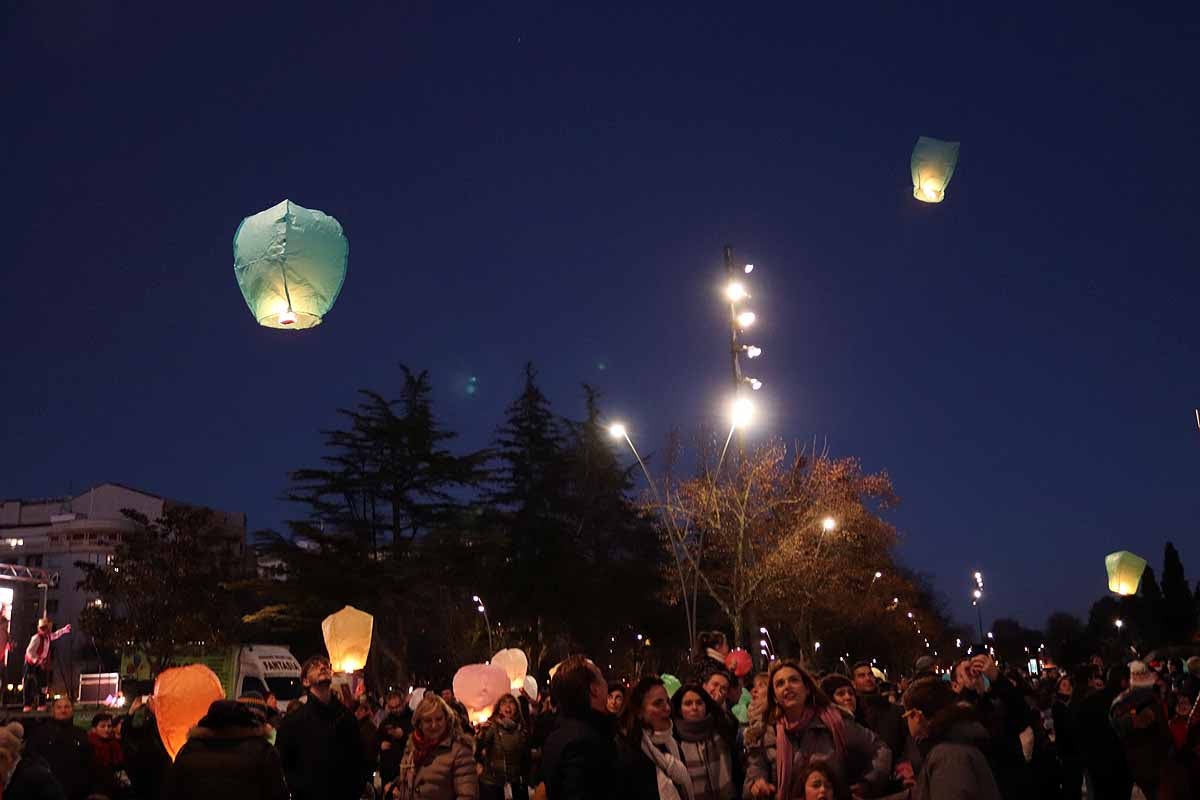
(32,780)
(321,751)
(1139,717)
(449,776)
(1004,714)
(1100,747)
(882,717)
(226,763)
(504,753)
(389,757)
(580,757)
(866,759)
(637,776)
(67,753)
(954,767)
(146,759)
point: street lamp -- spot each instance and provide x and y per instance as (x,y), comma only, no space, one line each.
(977,599)
(1120,623)
(829,524)
(618,431)
(482,609)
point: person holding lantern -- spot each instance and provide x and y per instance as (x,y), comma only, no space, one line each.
(503,752)
(319,744)
(438,762)
(37,662)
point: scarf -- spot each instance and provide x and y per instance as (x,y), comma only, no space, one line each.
(663,751)
(107,752)
(422,749)
(707,758)
(783,743)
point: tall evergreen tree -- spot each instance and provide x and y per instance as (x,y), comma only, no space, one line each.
(1178,613)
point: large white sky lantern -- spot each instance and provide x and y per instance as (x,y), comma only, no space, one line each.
(933,163)
(348,638)
(515,664)
(290,264)
(1124,571)
(478,687)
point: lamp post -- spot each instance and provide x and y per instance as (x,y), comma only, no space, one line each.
(977,599)
(739,320)
(486,622)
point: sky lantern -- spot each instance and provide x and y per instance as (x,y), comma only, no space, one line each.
(531,687)
(933,164)
(670,683)
(290,264)
(738,661)
(515,664)
(348,638)
(478,687)
(1124,571)
(181,697)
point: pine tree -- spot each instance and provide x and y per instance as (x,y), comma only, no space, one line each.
(1178,606)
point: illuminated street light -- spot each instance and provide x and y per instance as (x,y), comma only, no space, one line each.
(816,645)
(617,431)
(1120,623)
(746,319)
(741,412)
(749,268)
(752,351)
(735,291)
(828,524)
(755,384)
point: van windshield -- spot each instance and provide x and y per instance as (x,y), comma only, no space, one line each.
(285,688)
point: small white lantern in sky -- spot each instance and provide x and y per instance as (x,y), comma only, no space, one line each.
(933,163)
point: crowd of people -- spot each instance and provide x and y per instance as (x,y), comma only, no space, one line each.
(972,731)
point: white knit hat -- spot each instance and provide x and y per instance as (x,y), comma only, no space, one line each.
(1140,676)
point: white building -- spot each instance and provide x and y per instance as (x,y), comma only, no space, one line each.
(55,533)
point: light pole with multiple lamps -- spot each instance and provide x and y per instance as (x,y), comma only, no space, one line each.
(977,600)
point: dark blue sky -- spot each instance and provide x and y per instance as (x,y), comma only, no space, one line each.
(554,181)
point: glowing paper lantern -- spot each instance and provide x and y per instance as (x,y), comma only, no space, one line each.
(745,698)
(515,665)
(1124,571)
(478,687)
(290,264)
(181,697)
(738,661)
(415,698)
(348,638)
(531,687)
(933,163)
(670,683)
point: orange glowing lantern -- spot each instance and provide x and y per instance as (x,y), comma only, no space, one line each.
(348,638)
(478,687)
(181,697)
(515,664)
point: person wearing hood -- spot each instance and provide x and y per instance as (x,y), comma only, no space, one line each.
(800,722)
(319,743)
(650,765)
(1139,716)
(438,762)
(503,751)
(227,756)
(706,735)
(952,741)
(65,749)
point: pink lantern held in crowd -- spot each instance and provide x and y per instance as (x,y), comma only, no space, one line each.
(181,697)
(515,664)
(738,661)
(478,687)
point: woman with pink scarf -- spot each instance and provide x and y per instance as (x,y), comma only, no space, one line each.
(799,724)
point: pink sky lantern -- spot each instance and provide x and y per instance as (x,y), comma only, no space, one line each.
(181,697)
(478,687)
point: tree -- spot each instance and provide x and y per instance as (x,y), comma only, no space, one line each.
(166,587)
(1067,641)
(1178,613)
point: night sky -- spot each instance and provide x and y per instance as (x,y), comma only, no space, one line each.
(554,181)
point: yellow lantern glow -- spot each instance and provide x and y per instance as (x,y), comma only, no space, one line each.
(932,164)
(181,697)
(1124,571)
(348,638)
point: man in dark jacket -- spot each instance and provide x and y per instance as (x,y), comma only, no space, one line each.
(319,743)
(227,756)
(65,749)
(580,756)
(1102,754)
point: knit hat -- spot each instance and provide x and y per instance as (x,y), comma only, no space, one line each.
(229,714)
(924,664)
(1140,676)
(833,681)
(253,701)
